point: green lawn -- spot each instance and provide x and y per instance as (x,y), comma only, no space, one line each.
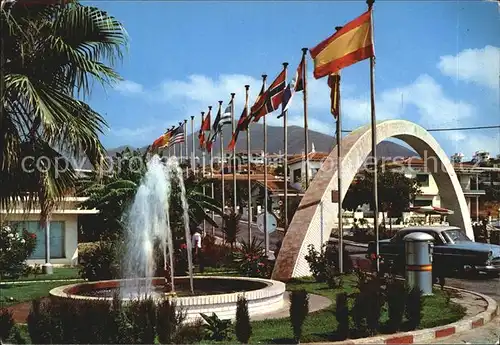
(11,294)
(59,273)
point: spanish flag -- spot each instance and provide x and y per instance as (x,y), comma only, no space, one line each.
(351,44)
(334,84)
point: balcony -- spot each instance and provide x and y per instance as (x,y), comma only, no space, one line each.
(474,192)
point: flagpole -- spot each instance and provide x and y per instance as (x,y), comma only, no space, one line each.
(266,235)
(212,174)
(180,147)
(234,153)
(223,194)
(339,174)
(203,167)
(249,206)
(186,146)
(193,165)
(306,126)
(285,161)
(374,144)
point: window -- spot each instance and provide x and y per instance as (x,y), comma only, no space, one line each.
(56,238)
(423,179)
(420,203)
(297,175)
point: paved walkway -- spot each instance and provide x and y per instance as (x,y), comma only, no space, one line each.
(316,302)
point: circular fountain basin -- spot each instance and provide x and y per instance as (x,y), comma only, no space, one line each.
(213,294)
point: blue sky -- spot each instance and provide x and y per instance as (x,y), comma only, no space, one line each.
(438,64)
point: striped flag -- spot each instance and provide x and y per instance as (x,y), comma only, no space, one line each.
(177,136)
(334,84)
(351,44)
(226,116)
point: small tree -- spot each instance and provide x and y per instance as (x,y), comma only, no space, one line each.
(6,324)
(414,307)
(15,248)
(299,308)
(396,295)
(243,327)
(395,191)
(231,227)
(342,315)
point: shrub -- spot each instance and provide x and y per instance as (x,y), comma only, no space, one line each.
(251,260)
(299,308)
(374,304)
(342,315)
(333,277)
(98,261)
(41,326)
(215,255)
(396,296)
(243,328)
(6,324)
(368,304)
(358,314)
(323,263)
(231,227)
(168,321)
(142,316)
(15,248)
(414,305)
(216,329)
(189,333)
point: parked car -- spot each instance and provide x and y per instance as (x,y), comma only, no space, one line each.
(453,251)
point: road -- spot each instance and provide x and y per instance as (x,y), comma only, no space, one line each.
(274,237)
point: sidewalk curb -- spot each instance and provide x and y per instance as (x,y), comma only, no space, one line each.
(428,334)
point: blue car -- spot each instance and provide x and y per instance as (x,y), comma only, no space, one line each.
(453,251)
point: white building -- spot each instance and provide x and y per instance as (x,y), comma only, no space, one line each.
(63,239)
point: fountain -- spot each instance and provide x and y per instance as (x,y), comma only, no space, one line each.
(148,221)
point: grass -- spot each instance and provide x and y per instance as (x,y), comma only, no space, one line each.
(58,274)
(11,294)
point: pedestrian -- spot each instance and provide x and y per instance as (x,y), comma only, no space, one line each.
(197,248)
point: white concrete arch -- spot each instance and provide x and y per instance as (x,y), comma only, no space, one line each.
(304,228)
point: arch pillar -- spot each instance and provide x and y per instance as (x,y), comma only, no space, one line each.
(304,228)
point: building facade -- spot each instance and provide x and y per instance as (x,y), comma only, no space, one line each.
(63,230)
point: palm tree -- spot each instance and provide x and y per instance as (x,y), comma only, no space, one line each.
(52,53)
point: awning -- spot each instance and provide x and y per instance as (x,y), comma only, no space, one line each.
(431,210)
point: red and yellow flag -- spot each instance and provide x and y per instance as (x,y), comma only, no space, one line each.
(161,141)
(351,44)
(334,84)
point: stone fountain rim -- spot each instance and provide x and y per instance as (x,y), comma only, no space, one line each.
(272,288)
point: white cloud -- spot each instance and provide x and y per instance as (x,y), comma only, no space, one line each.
(472,141)
(479,66)
(129,87)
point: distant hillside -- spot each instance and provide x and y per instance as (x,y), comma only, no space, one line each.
(322,142)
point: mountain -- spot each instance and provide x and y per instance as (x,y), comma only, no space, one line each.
(322,142)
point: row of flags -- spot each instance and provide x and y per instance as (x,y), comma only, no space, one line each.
(348,45)
(171,137)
